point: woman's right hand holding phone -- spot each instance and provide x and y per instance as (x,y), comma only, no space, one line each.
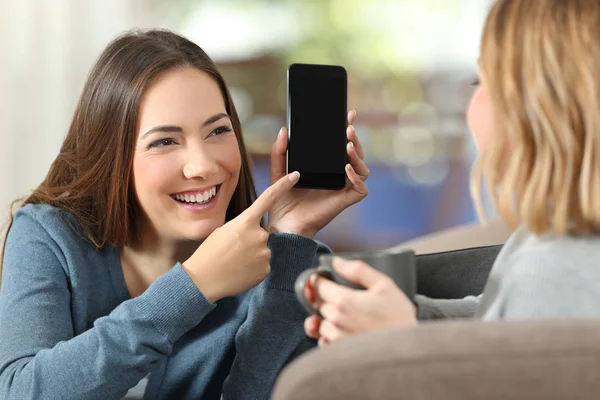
(235,257)
(306,211)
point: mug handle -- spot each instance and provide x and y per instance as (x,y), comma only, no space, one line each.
(301,282)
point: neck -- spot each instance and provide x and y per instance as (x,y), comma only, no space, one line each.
(150,257)
(161,253)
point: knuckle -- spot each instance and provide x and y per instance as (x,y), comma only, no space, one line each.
(266,254)
(385,285)
(309,332)
(243,220)
(354,268)
(325,328)
(267,268)
(238,235)
(263,236)
(269,195)
(388,281)
(341,303)
(329,330)
(335,314)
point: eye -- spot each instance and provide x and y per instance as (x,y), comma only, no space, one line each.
(221,130)
(162,143)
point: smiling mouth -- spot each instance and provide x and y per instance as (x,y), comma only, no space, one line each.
(197,198)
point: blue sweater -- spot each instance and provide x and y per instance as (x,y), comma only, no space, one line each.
(69,329)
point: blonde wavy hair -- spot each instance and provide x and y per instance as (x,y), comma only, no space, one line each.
(541,63)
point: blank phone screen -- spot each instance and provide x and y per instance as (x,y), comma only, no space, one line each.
(317,120)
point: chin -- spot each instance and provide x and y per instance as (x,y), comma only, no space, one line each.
(201,231)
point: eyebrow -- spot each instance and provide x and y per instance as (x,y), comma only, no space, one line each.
(174,128)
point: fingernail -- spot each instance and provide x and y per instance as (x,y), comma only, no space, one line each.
(280,132)
(310,297)
(294,176)
(352,145)
(349,167)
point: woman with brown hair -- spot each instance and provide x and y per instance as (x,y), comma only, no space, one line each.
(143,251)
(536,121)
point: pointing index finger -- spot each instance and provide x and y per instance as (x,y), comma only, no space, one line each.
(269,197)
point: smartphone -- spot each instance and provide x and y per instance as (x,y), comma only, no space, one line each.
(317,121)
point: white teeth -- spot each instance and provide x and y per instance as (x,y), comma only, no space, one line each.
(199,197)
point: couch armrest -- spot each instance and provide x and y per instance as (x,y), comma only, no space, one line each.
(554,359)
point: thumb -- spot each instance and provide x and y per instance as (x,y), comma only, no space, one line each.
(269,197)
(358,272)
(278,157)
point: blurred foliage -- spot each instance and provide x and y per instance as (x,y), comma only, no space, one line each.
(370,36)
(405,116)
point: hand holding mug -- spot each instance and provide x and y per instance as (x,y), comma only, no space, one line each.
(374,300)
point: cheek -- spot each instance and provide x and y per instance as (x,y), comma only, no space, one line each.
(480,118)
(150,175)
(231,159)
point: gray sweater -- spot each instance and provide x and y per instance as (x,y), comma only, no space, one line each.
(532,277)
(69,329)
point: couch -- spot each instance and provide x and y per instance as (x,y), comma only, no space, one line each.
(461,359)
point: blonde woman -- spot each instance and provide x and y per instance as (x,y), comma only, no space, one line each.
(536,121)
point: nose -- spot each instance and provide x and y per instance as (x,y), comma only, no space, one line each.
(200,164)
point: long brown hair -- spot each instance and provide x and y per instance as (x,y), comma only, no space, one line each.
(92,176)
(541,64)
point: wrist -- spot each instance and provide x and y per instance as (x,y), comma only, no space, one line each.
(294,230)
(205,285)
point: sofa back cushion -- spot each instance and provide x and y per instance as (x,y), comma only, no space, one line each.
(455,274)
